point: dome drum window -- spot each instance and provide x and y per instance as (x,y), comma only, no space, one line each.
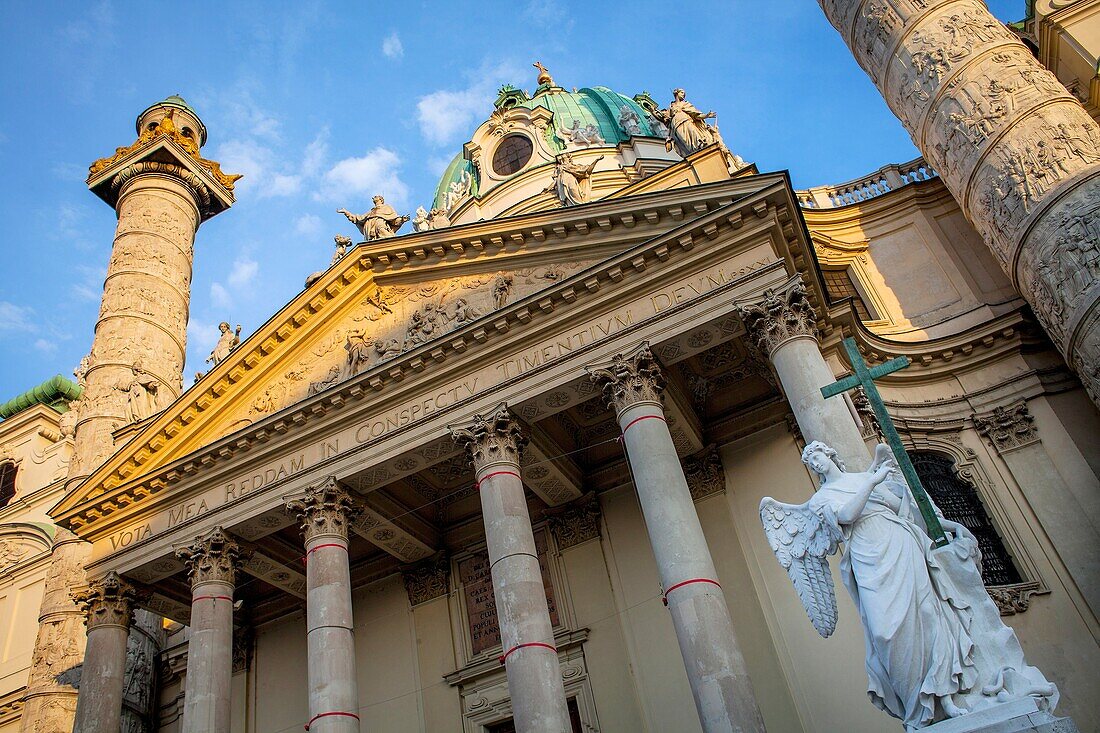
(513,152)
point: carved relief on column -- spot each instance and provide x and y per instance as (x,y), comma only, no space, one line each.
(326,509)
(629,378)
(427,580)
(1008,427)
(107,602)
(779,315)
(576,522)
(704,472)
(213,557)
(491,438)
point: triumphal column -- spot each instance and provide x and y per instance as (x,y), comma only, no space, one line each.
(1011,143)
(161,189)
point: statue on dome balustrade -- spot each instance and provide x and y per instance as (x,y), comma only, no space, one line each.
(688,131)
(381,222)
(572,182)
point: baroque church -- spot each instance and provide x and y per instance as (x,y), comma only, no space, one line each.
(525,459)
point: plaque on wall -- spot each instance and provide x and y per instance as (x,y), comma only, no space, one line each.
(481,610)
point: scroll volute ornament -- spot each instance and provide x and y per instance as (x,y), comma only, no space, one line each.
(107,602)
(629,378)
(213,557)
(325,510)
(781,314)
(491,438)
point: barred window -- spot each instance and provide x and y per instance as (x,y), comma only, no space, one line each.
(959,502)
(7,482)
(512,154)
(840,286)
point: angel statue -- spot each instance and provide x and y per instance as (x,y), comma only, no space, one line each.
(935,645)
(688,130)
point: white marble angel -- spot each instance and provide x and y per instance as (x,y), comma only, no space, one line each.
(936,647)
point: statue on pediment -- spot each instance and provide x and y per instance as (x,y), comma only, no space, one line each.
(226,343)
(420,221)
(438,219)
(381,222)
(342,245)
(688,131)
(572,182)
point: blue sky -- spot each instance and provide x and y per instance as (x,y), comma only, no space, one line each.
(322,105)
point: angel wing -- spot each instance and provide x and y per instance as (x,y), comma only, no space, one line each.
(801,539)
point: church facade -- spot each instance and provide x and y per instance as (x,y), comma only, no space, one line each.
(503,472)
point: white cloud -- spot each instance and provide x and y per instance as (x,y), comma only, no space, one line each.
(547,13)
(308,225)
(240,280)
(219,296)
(391,46)
(374,173)
(202,335)
(90,285)
(15,318)
(267,173)
(244,272)
(445,115)
(437,164)
(45,346)
(313,159)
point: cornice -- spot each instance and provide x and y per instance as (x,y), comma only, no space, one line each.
(85,510)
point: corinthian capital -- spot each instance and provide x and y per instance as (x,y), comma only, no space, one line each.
(491,438)
(1008,427)
(629,378)
(779,315)
(107,602)
(212,557)
(325,509)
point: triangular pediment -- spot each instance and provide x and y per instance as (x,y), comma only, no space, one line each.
(403,305)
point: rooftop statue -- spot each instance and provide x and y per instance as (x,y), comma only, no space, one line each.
(572,181)
(456,190)
(342,244)
(544,78)
(688,130)
(628,120)
(381,222)
(420,221)
(936,647)
(587,135)
(226,343)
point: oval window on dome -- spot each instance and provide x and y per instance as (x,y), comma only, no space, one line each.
(512,154)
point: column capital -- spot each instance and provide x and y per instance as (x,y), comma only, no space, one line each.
(107,602)
(427,580)
(779,315)
(1008,426)
(575,522)
(491,438)
(325,509)
(213,557)
(629,378)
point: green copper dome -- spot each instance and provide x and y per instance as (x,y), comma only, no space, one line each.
(596,106)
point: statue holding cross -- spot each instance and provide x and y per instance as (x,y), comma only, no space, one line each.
(936,647)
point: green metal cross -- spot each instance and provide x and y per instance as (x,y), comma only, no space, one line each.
(865,377)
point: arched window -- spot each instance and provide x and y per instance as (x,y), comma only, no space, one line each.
(959,502)
(7,482)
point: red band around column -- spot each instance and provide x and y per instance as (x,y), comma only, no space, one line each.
(488,476)
(530,643)
(211,598)
(325,715)
(327,544)
(639,419)
(664,598)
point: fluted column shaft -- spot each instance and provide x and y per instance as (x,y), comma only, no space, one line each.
(213,561)
(783,325)
(108,605)
(324,512)
(1013,146)
(530,658)
(724,697)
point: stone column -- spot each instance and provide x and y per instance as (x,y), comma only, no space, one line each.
(1013,146)
(50,701)
(783,325)
(212,564)
(108,605)
(494,442)
(1065,517)
(716,670)
(324,513)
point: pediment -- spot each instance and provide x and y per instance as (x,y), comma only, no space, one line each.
(408,304)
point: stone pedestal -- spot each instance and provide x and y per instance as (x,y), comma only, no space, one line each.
(1017,716)
(108,605)
(333,692)
(716,670)
(535,685)
(212,563)
(782,323)
(1018,152)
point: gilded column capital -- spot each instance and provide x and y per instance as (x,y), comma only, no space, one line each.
(629,378)
(779,315)
(212,557)
(107,602)
(491,438)
(325,510)
(1008,427)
